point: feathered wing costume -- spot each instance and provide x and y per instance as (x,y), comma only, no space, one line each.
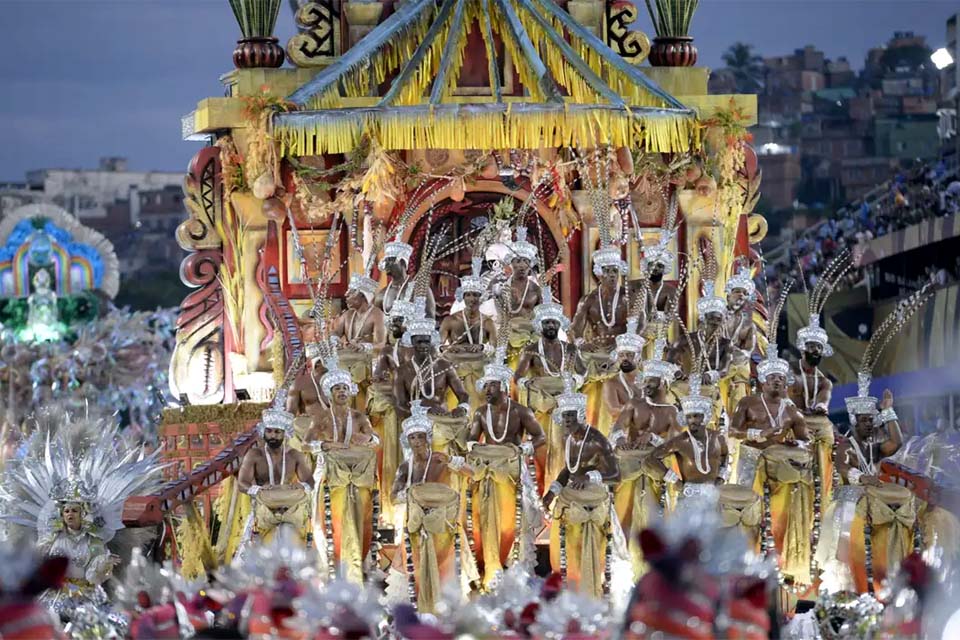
(84,464)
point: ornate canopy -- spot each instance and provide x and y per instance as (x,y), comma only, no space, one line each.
(576,90)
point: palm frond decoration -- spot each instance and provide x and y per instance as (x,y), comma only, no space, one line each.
(671,18)
(256,18)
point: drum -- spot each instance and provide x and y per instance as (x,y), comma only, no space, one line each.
(741,507)
(891,512)
(355,465)
(520,332)
(786,475)
(598,364)
(497,458)
(788,464)
(887,496)
(466,358)
(450,434)
(632,462)
(541,392)
(281,498)
(579,505)
(434,499)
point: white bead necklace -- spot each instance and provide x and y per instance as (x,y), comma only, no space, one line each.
(352,332)
(623,381)
(806,392)
(505,424)
(426,469)
(613,308)
(774,424)
(270,467)
(546,361)
(421,387)
(566,451)
(469,330)
(386,293)
(523,298)
(697,451)
(348,432)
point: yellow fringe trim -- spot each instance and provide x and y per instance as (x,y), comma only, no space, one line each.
(462,129)
(193,540)
(228,537)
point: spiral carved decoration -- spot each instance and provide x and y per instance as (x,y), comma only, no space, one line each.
(197,367)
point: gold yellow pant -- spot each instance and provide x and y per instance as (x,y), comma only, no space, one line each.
(359,365)
(734,386)
(470,370)
(520,335)
(351,479)
(494,499)
(598,372)
(820,430)
(549,459)
(636,501)
(383,418)
(584,516)
(891,539)
(791,509)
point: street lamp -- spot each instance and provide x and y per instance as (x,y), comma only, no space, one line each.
(941,58)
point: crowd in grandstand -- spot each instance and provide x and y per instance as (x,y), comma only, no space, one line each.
(909,198)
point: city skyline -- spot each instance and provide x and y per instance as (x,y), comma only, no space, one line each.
(68,105)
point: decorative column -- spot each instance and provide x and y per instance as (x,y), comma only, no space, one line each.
(362,17)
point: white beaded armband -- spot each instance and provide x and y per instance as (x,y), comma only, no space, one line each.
(617,436)
(754,434)
(853,476)
(656,440)
(887,415)
(555,487)
(671,476)
(595,477)
(457,462)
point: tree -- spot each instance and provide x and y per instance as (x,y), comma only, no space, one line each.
(747,67)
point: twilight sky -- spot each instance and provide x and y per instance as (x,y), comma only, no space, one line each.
(81,79)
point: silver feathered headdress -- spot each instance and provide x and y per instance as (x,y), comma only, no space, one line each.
(813,332)
(549,311)
(472,283)
(80,460)
(335,375)
(570,400)
(629,341)
(277,417)
(863,403)
(772,363)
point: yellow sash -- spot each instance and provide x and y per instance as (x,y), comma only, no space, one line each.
(381,407)
(495,491)
(432,511)
(585,516)
(788,472)
(351,478)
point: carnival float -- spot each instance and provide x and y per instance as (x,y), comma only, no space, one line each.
(476,348)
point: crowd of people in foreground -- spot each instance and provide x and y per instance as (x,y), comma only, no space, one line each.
(909,198)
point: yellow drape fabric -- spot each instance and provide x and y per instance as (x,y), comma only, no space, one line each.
(585,516)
